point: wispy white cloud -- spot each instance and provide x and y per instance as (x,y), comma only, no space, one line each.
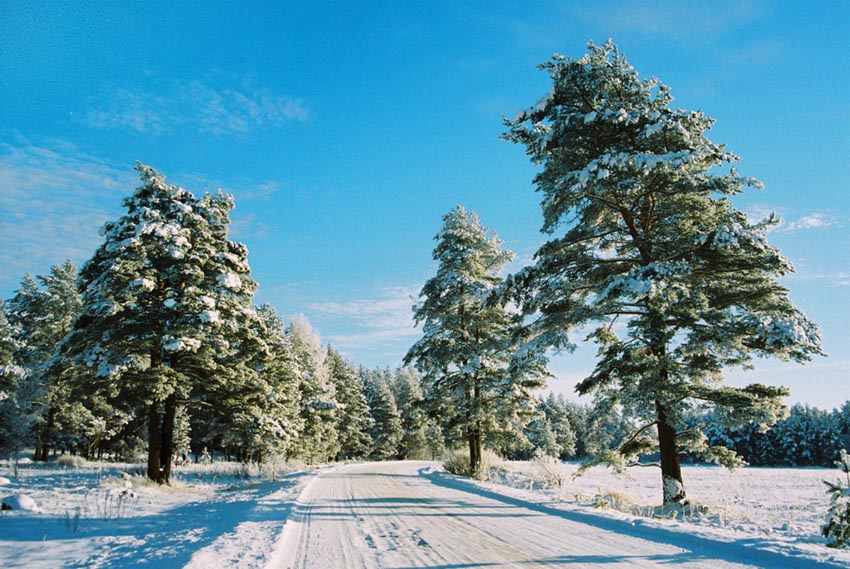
(217,105)
(758,213)
(246,226)
(678,19)
(55,198)
(385,320)
(791,224)
(839,279)
(262,191)
(142,111)
(759,52)
(681,20)
(817,220)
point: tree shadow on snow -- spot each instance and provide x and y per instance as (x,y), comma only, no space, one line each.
(746,551)
(169,538)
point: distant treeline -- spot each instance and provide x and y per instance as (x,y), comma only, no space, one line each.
(808,436)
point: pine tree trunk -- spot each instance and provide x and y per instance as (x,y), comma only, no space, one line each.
(166,443)
(671,470)
(42,447)
(154,441)
(474,454)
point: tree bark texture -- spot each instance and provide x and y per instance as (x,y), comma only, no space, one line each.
(166,442)
(671,469)
(154,438)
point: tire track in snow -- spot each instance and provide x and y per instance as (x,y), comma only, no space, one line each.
(395,516)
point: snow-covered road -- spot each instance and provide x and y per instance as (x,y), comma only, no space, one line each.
(405,515)
(392,515)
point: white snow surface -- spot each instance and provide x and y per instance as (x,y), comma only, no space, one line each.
(412,514)
(20,502)
(231,281)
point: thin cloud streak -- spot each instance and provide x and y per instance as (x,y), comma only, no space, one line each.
(814,220)
(679,20)
(383,321)
(53,198)
(219,108)
(817,220)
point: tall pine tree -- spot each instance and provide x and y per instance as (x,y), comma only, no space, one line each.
(10,376)
(643,234)
(319,407)
(467,343)
(259,412)
(42,314)
(407,388)
(166,304)
(387,429)
(353,419)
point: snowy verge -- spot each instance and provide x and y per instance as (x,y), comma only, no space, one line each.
(736,545)
(253,540)
(102,516)
(284,550)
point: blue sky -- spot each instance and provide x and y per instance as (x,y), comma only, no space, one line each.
(346,130)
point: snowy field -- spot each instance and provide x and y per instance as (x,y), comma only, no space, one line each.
(226,515)
(783,508)
(106,515)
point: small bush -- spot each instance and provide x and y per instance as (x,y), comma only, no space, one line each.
(70,461)
(457,462)
(836,530)
(613,500)
(549,473)
(114,502)
(72,523)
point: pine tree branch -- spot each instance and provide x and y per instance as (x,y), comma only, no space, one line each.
(635,435)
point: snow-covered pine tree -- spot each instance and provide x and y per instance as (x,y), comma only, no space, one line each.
(279,373)
(541,439)
(407,388)
(231,331)
(434,439)
(836,530)
(387,430)
(10,376)
(319,440)
(645,237)
(42,314)
(263,404)
(577,416)
(16,424)
(353,419)
(8,345)
(842,419)
(165,302)
(466,348)
(807,437)
(555,412)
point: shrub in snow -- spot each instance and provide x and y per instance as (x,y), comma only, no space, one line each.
(457,462)
(836,530)
(20,502)
(551,475)
(114,504)
(68,460)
